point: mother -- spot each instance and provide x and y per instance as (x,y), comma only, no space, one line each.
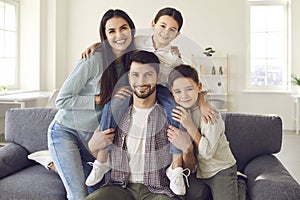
(81,99)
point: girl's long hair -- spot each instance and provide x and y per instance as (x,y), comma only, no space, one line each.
(109,77)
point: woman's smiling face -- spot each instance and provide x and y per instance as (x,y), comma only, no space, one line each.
(118,34)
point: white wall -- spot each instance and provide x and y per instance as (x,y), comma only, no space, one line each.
(72,25)
(43,44)
(29,44)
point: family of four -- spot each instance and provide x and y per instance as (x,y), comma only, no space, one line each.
(149,139)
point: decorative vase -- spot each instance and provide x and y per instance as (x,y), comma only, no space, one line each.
(213,70)
(220,70)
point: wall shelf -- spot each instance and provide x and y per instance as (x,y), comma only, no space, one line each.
(213,73)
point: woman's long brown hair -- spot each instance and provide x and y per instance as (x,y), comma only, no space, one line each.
(110,77)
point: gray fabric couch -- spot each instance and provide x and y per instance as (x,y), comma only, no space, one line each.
(21,178)
(253,139)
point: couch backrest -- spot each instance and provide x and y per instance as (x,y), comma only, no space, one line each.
(249,135)
(252,135)
(28,127)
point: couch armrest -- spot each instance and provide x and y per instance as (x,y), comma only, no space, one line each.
(13,158)
(269,179)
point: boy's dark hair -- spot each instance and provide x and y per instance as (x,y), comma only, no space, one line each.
(145,57)
(172,12)
(182,71)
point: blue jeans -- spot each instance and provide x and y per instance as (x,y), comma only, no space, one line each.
(115,109)
(70,158)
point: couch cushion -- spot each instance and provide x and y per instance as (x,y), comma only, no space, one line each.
(252,135)
(13,158)
(33,182)
(28,127)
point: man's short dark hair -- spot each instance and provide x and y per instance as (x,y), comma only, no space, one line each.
(181,71)
(145,57)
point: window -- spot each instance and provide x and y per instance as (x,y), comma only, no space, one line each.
(268,44)
(8,43)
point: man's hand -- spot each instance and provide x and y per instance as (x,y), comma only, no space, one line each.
(179,138)
(123,92)
(209,113)
(97,99)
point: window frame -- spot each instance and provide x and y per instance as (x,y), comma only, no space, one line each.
(15,3)
(286,86)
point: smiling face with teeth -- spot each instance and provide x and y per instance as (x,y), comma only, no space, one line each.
(186,91)
(165,30)
(142,79)
(118,34)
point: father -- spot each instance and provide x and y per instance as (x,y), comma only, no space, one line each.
(141,147)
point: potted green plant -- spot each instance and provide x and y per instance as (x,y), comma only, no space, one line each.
(3,89)
(209,51)
(296,81)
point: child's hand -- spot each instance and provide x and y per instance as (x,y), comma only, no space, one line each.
(90,49)
(175,51)
(181,115)
(179,138)
(209,113)
(101,139)
(123,92)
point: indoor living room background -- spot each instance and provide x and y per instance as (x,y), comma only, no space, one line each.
(52,35)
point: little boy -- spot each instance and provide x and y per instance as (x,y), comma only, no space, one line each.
(216,165)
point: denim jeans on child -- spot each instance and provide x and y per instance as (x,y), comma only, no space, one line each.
(114,110)
(70,157)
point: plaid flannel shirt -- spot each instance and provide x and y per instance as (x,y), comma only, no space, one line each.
(157,153)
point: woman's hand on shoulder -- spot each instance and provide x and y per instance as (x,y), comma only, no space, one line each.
(90,49)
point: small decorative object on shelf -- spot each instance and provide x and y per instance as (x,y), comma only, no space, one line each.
(296,81)
(220,70)
(220,88)
(209,51)
(214,78)
(213,70)
(3,89)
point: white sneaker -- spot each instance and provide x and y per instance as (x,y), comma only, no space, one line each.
(176,179)
(97,173)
